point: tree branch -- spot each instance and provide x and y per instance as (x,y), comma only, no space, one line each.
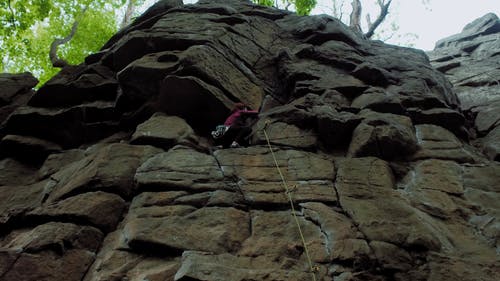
(355,21)
(13,15)
(384,10)
(127,18)
(56,61)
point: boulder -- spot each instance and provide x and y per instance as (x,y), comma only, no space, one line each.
(16,90)
(51,251)
(163,132)
(16,201)
(16,173)
(384,135)
(33,150)
(491,144)
(99,209)
(15,87)
(76,85)
(284,134)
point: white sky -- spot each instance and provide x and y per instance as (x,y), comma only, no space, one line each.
(430,22)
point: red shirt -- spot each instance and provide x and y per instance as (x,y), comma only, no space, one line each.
(235,115)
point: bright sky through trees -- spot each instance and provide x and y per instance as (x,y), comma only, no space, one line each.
(430,22)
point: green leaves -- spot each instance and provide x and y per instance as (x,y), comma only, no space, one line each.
(302,7)
(268,3)
(28,27)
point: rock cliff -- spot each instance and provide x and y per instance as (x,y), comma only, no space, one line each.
(108,171)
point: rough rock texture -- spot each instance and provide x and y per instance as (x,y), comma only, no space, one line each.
(109,172)
(471,61)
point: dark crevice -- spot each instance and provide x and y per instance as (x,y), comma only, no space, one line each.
(204,77)
(151,249)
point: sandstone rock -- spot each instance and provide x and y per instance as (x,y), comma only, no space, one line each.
(147,70)
(50,266)
(56,161)
(180,168)
(444,117)
(379,100)
(33,150)
(335,128)
(260,182)
(55,236)
(262,240)
(206,266)
(99,209)
(16,91)
(68,127)
(52,251)
(281,133)
(483,26)
(15,86)
(472,53)
(345,241)
(211,229)
(200,104)
(114,262)
(18,200)
(385,135)
(15,173)
(482,190)
(89,84)
(197,212)
(432,186)
(442,268)
(488,118)
(261,194)
(163,131)
(391,256)
(110,169)
(365,187)
(256,163)
(437,142)
(372,74)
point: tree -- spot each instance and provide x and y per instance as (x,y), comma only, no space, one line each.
(302,7)
(28,28)
(340,8)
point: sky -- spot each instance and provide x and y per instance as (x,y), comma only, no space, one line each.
(432,21)
(420,24)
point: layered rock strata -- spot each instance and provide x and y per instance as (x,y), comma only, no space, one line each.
(109,171)
(471,61)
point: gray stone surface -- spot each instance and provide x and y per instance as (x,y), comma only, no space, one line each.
(389,169)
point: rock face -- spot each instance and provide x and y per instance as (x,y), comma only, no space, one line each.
(108,172)
(471,61)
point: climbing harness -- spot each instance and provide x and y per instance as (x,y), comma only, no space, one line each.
(313,268)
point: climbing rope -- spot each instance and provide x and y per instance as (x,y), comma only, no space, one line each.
(288,192)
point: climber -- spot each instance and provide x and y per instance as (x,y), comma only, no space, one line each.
(236,128)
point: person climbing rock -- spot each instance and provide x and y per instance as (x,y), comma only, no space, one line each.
(236,128)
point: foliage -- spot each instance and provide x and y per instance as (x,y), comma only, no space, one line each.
(28,27)
(302,7)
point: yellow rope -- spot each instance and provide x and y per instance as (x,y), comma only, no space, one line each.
(288,193)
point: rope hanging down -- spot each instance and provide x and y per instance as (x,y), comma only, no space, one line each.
(312,268)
